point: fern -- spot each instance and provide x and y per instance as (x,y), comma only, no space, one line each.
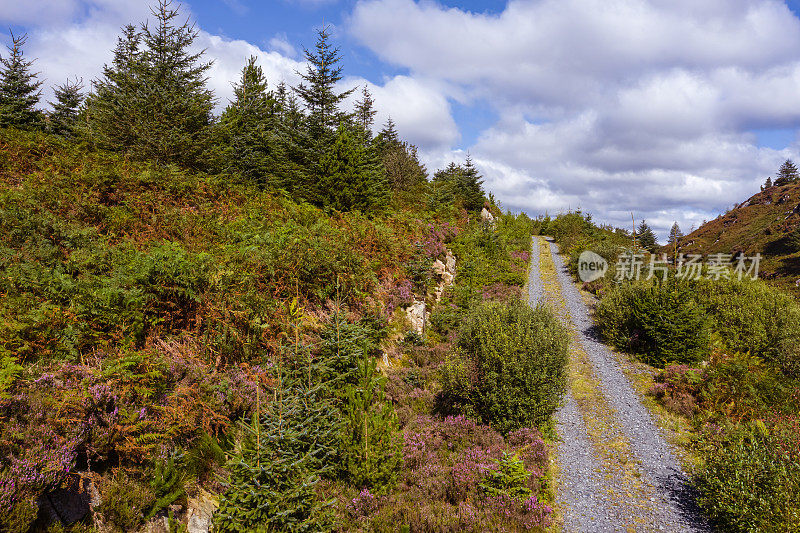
(167,484)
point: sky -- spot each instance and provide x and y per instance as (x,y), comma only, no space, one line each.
(672,110)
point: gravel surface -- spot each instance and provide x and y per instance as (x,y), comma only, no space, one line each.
(580,487)
(673,507)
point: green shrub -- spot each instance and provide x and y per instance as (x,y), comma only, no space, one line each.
(510,478)
(751,479)
(661,322)
(751,316)
(278,463)
(509,369)
(124,502)
(371,444)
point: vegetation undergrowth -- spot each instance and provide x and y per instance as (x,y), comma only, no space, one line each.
(250,313)
(724,353)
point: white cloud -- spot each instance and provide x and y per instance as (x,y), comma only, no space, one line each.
(609,105)
(280,43)
(418,108)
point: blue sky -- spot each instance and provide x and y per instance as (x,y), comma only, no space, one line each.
(671,109)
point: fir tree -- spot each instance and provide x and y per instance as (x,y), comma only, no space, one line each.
(459,184)
(403,168)
(64,116)
(388,134)
(110,110)
(469,187)
(279,461)
(249,137)
(365,111)
(370,444)
(787,173)
(645,236)
(154,102)
(19,88)
(675,234)
(348,180)
(318,89)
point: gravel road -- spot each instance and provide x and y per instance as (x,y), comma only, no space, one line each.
(584,488)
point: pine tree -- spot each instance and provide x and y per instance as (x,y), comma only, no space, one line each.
(469,187)
(388,134)
(675,234)
(273,475)
(158,92)
(19,88)
(110,110)
(347,179)
(645,236)
(403,168)
(787,173)
(318,89)
(370,444)
(365,111)
(64,116)
(768,183)
(248,132)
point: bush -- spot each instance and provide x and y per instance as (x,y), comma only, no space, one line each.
(371,443)
(751,479)
(750,316)
(124,502)
(509,369)
(661,322)
(279,461)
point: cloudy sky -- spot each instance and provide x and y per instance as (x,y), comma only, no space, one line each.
(670,109)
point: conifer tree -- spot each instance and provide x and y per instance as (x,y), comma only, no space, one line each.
(158,92)
(645,236)
(768,183)
(110,110)
(787,173)
(365,111)
(388,134)
(675,234)
(318,89)
(273,475)
(404,171)
(370,444)
(347,179)
(469,187)
(19,88)
(249,138)
(64,116)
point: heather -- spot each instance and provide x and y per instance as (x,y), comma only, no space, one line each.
(216,313)
(149,311)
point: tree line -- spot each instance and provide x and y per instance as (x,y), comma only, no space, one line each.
(152,102)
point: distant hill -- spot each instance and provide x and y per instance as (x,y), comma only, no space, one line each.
(762,224)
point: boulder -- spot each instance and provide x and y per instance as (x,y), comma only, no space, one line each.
(201,508)
(450,262)
(416,315)
(487,215)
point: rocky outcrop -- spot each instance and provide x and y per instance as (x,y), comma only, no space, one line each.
(446,272)
(417,316)
(487,215)
(201,509)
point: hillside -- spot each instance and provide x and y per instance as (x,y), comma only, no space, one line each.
(762,224)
